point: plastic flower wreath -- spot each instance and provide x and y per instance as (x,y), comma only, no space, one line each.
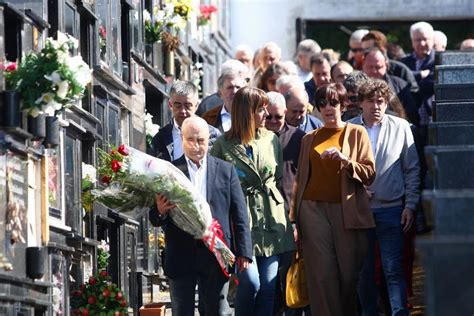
(205,14)
(51,80)
(99,296)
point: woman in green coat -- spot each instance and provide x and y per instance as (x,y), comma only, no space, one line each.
(257,157)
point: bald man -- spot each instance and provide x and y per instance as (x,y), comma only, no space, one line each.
(188,261)
(297,102)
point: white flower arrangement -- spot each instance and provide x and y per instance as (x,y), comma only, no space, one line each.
(51,80)
(150,128)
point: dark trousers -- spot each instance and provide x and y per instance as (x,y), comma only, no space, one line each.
(207,274)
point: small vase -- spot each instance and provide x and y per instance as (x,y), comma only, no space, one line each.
(37,126)
(35,262)
(52,132)
(10,109)
(169,63)
(149,53)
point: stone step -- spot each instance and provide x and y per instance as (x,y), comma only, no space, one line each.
(454,92)
(449,280)
(451,133)
(450,212)
(450,167)
(454,57)
(453,111)
(453,74)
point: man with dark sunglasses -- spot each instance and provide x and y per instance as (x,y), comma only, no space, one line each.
(356,53)
(352,84)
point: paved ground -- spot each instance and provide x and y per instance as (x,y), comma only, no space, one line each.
(417,300)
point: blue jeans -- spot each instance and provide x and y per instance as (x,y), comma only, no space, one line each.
(257,285)
(389,234)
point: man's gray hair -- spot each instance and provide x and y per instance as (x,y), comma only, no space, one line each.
(441,37)
(421,27)
(287,82)
(272,46)
(355,80)
(277,99)
(183,88)
(357,35)
(308,47)
(234,65)
(244,48)
(228,74)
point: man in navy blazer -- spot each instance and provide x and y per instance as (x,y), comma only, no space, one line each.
(166,144)
(422,63)
(188,262)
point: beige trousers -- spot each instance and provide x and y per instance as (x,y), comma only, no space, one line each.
(333,258)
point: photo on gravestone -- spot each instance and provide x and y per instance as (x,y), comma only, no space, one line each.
(4,262)
(16,218)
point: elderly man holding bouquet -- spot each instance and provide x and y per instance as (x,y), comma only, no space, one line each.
(188,261)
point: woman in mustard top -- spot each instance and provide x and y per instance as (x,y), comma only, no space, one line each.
(331,208)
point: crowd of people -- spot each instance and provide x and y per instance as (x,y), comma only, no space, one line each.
(323,156)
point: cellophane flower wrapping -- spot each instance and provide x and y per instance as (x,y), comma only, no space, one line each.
(143,176)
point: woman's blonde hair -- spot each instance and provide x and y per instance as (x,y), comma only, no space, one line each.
(244,107)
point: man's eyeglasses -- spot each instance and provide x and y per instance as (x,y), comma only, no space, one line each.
(357,50)
(321,103)
(353,98)
(277,117)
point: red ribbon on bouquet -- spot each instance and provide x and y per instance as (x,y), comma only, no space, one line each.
(215,231)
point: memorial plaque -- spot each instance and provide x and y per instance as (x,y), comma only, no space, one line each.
(449,283)
(455,58)
(454,92)
(453,111)
(451,133)
(445,164)
(450,212)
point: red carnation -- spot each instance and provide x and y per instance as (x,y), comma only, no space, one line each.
(123,303)
(92,281)
(106,293)
(106,179)
(123,150)
(82,287)
(11,67)
(91,300)
(103,273)
(85,312)
(119,295)
(116,165)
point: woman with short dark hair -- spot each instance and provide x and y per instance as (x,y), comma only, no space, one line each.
(331,206)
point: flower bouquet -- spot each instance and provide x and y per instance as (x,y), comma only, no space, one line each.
(165,23)
(205,14)
(134,178)
(51,80)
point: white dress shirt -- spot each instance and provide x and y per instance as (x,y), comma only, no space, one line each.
(177,141)
(225,119)
(198,175)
